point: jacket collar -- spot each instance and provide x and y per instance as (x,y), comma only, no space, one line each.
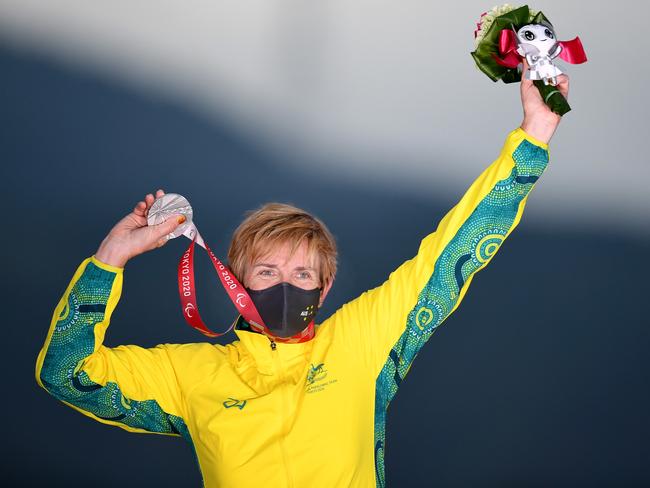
(259,347)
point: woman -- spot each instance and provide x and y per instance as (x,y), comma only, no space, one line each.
(259,411)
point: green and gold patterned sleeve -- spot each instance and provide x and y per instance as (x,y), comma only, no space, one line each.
(386,327)
(128,386)
(394,320)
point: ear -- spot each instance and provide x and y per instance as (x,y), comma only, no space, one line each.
(324,293)
(547,24)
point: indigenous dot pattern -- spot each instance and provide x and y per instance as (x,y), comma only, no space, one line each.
(469,250)
(73,340)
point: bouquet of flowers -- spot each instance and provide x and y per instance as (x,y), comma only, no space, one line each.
(506,35)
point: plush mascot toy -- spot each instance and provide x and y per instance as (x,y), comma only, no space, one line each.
(506,35)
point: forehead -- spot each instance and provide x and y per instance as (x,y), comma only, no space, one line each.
(538,29)
(287,254)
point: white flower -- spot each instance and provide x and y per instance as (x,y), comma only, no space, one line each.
(487,19)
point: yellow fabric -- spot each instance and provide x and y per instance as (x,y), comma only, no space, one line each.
(309,414)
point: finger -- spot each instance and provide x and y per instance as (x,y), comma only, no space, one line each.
(139,209)
(563,85)
(149,199)
(525,82)
(162,241)
(159,193)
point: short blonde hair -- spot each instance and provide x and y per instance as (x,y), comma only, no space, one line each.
(276,224)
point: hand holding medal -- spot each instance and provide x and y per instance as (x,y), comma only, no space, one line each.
(132,236)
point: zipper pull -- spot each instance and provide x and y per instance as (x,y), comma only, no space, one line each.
(273,345)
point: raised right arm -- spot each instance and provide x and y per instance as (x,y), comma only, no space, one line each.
(127,386)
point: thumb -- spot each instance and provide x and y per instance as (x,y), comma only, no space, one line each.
(162,230)
(168,226)
(524,69)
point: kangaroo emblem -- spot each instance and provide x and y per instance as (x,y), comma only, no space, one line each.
(316,373)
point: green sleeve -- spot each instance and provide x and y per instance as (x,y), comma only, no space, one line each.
(128,386)
(387,326)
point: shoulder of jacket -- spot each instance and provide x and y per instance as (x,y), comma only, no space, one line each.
(195,353)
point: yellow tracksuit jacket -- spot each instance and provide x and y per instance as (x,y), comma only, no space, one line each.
(309,414)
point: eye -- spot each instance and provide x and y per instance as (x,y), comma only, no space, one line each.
(304,275)
(548,33)
(266,272)
(529,35)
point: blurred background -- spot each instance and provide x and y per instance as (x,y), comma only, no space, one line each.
(372,115)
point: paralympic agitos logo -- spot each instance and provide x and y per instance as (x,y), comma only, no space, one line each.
(189,308)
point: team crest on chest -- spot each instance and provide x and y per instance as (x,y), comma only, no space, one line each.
(316,375)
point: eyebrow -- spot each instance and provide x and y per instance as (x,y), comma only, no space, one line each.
(275,266)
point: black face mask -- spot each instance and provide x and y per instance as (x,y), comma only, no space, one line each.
(286,309)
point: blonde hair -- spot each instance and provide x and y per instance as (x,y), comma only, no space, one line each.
(276,224)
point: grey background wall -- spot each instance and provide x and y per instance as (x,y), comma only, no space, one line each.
(371,115)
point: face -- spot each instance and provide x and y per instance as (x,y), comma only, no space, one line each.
(538,35)
(300,269)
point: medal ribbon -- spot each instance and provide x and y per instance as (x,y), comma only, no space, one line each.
(236,292)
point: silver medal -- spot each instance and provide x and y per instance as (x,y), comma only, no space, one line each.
(175,204)
(171,204)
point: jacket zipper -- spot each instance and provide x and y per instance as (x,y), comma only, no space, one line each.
(276,359)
